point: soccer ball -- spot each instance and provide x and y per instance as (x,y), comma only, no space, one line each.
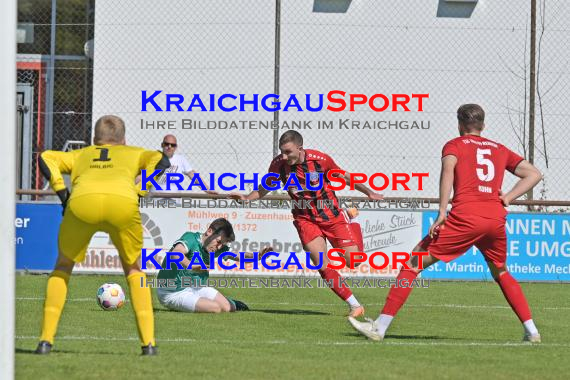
(110,296)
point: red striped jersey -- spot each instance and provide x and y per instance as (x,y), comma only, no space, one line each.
(315,162)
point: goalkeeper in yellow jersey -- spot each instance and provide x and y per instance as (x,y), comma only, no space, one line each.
(103,198)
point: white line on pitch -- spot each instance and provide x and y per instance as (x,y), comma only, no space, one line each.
(69,299)
(316,343)
(453,306)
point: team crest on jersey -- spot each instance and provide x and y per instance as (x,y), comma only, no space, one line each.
(314,178)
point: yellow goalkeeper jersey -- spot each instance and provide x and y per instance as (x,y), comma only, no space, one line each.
(101,169)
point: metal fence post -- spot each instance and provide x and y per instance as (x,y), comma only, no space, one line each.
(531,111)
(276,74)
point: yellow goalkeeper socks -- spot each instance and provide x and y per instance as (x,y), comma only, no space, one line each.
(56,292)
(142,305)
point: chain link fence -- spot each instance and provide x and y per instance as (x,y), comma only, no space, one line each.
(55,78)
(457,52)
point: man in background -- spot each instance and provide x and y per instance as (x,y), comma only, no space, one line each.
(178,164)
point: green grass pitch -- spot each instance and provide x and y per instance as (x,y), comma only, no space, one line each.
(451,330)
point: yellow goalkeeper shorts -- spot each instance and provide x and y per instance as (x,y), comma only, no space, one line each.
(116,215)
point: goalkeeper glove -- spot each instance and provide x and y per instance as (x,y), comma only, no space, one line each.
(63,195)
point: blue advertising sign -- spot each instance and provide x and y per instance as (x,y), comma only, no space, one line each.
(538,246)
(538,249)
(37,226)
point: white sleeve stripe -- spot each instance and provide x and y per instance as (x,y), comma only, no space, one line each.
(180,242)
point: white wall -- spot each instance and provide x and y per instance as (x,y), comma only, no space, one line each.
(374,47)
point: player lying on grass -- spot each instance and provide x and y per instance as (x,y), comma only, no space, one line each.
(474,167)
(103,198)
(196,298)
(314,225)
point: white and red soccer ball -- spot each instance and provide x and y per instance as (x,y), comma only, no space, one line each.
(110,296)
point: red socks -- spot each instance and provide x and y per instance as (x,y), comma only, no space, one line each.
(510,287)
(329,275)
(398,295)
(515,296)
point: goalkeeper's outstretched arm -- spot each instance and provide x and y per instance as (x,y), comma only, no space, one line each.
(151,161)
(52,165)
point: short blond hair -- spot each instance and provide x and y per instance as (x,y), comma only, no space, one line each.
(109,129)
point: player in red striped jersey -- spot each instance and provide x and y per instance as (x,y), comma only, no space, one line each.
(316,224)
(474,167)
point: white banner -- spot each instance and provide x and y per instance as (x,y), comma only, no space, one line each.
(385,231)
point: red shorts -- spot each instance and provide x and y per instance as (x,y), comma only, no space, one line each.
(461,232)
(357,231)
(338,231)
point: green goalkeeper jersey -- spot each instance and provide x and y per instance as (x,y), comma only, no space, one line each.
(193,243)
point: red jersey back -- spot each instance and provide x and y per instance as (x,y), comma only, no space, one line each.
(315,163)
(478,177)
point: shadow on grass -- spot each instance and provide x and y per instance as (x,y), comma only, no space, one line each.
(290,312)
(268,311)
(416,337)
(407,337)
(33,352)
(157,310)
(57,351)
(24,351)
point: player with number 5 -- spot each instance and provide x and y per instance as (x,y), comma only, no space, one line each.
(474,167)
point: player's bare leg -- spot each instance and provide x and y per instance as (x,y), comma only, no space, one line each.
(237,305)
(397,296)
(219,304)
(56,293)
(315,247)
(224,303)
(141,300)
(230,304)
(516,298)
